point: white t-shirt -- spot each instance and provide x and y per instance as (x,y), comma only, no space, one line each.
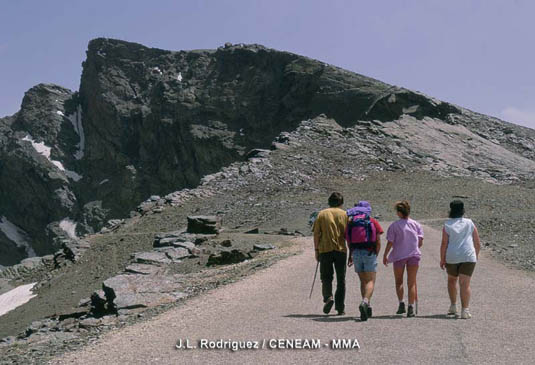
(460,243)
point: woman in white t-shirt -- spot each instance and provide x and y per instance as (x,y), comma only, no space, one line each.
(458,255)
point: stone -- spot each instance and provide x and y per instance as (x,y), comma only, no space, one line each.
(227,257)
(258,153)
(175,253)
(128,291)
(253,231)
(189,245)
(89,323)
(204,224)
(144,269)
(99,302)
(226,243)
(263,247)
(151,257)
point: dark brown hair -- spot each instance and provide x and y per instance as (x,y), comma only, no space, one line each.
(335,200)
(403,207)
(456,209)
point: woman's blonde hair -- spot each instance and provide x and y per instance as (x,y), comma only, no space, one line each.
(403,207)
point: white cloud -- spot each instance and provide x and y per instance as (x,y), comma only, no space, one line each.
(519,116)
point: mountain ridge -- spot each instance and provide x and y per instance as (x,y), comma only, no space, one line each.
(147,122)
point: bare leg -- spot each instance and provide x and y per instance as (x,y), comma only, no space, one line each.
(452,288)
(398,276)
(362,285)
(367,280)
(464,281)
(411,283)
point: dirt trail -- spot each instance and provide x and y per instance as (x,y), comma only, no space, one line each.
(274,304)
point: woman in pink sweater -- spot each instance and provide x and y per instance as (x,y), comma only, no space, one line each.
(405,237)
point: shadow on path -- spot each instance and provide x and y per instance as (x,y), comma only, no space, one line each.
(322,318)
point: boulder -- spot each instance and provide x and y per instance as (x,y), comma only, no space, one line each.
(263,247)
(144,269)
(258,153)
(174,253)
(227,257)
(128,291)
(204,224)
(151,257)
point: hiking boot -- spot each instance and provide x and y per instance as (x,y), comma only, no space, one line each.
(369,312)
(363,308)
(465,314)
(453,310)
(327,306)
(401,308)
(340,313)
(410,312)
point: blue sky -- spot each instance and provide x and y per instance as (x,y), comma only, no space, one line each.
(475,53)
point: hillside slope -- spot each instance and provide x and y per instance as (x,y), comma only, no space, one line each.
(148,122)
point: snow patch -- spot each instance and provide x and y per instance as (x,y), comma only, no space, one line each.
(69,227)
(76,120)
(179,77)
(156,70)
(44,150)
(40,147)
(103,181)
(16,297)
(59,112)
(17,235)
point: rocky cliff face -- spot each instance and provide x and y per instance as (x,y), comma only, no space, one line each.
(148,121)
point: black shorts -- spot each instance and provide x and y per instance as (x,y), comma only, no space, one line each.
(464,268)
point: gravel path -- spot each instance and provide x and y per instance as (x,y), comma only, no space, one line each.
(274,304)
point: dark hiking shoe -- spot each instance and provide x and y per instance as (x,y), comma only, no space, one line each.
(340,313)
(410,312)
(363,308)
(401,308)
(327,306)
(369,312)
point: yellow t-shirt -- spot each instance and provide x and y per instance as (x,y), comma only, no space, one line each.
(329,229)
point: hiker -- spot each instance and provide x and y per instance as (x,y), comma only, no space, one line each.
(363,236)
(330,251)
(405,237)
(459,253)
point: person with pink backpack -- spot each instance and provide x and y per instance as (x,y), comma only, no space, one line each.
(363,237)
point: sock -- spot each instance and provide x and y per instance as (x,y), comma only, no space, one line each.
(411,305)
(401,302)
(365,300)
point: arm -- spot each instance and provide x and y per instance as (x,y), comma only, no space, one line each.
(350,256)
(378,245)
(387,250)
(420,236)
(317,235)
(443,248)
(477,242)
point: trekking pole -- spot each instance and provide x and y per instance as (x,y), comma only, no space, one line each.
(313,281)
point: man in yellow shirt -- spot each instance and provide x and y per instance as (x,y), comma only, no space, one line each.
(331,252)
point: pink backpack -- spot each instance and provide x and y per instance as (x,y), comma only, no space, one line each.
(361,232)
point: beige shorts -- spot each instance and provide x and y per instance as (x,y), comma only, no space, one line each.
(464,268)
